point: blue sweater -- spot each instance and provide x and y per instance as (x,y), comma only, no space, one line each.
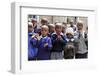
(32,46)
(44,52)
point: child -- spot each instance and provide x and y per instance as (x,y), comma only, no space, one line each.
(63,29)
(34,22)
(45,44)
(72,25)
(82,48)
(51,29)
(35,25)
(58,41)
(69,49)
(32,43)
(44,21)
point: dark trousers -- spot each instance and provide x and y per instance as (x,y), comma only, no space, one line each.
(69,53)
(81,56)
(69,57)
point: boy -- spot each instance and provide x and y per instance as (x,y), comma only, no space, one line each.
(51,29)
(32,43)
(58,41)
(44,21)
(64,29)
(72,25)
(35,25)
(69,49)
(44,45)
(82,48)
(34,22)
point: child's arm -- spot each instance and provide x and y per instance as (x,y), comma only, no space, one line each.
(34,42)
(76,44)
(54,39)
(85,36)
(86,39)
(48,44)
(63,40)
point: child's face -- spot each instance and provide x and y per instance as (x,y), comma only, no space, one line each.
(69,35)
(63,29)
(44,32)
(71,23)
(44,22)
(79,26)
(58,29)
(30,28)
(52,29)
(34,23)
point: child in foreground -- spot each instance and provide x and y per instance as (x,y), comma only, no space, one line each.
(45,45)
(58,41)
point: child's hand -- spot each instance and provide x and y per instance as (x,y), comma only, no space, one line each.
(33,36)
(70,46)
(37,36)
(59,37)
(46,44)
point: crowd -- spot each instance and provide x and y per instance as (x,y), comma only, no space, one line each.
(47,41)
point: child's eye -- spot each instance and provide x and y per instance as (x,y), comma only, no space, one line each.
(45,30)
(42,30)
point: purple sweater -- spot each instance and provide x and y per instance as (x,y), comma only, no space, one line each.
(44,52)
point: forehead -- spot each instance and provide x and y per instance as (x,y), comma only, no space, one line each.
(68,34)
(58,26)
(79,24)
(51,25)
(34,20)
(46,29)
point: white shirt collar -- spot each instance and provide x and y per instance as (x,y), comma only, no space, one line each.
(43,37)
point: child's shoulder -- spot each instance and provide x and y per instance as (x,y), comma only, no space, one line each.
(48,38)
(53,33)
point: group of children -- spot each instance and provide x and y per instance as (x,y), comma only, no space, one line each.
(56,41)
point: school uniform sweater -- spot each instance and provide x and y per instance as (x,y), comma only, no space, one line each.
(58,44)
(44,51)
(32,46)
(82,48)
